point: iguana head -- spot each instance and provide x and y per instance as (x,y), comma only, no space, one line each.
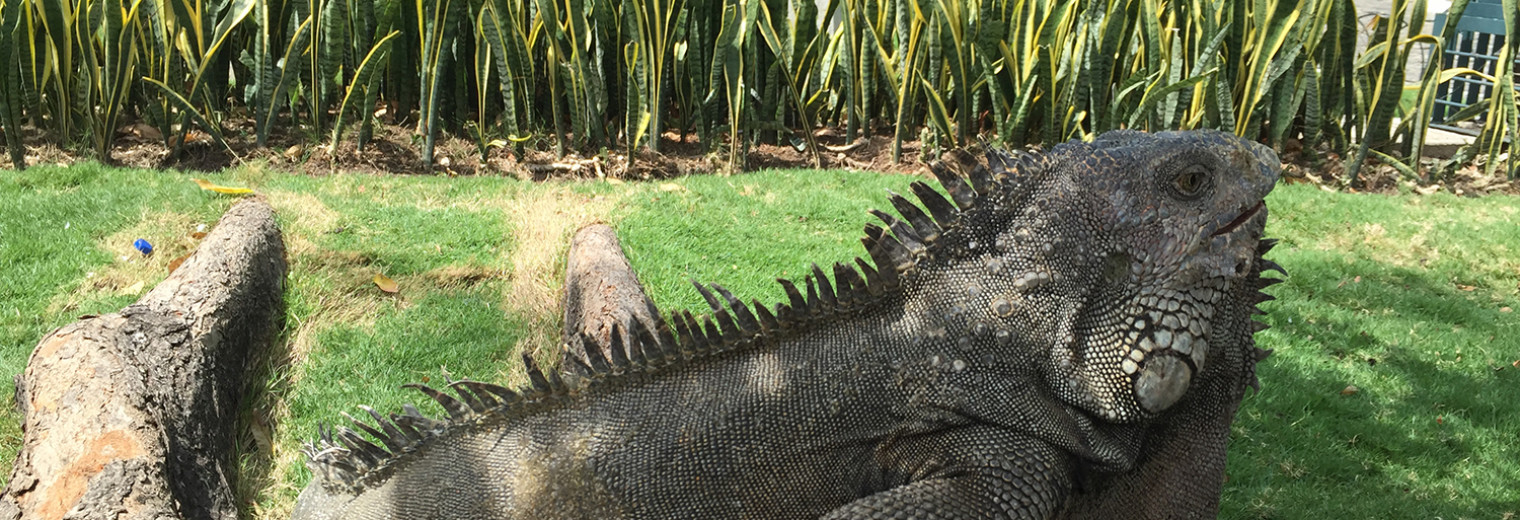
(1121,254)
(1174,221)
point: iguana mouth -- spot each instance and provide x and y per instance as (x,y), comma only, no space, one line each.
(1240,219)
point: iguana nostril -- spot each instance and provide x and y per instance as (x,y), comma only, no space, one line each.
(1162,382)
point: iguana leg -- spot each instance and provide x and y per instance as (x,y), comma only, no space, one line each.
(1027,482)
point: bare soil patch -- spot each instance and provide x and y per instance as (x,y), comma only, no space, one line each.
(1327,169)
(394,149)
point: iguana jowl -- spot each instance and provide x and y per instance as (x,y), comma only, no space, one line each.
(1068,335)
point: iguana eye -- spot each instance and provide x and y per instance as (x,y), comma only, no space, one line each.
(1191,181)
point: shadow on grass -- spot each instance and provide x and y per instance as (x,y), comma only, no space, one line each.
(1430,429)
(268,384)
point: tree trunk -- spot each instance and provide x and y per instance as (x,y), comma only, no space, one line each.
(601,292)
(131,415)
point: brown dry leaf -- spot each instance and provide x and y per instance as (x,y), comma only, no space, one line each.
(147,132)
(176,263)
(1350,390)
(386,284)
(261,434)
(198,235)
(1467,288)
(1506,309)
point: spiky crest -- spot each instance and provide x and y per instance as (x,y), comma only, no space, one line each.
(1262,265)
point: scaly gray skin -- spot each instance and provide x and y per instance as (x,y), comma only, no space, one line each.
(1070,338)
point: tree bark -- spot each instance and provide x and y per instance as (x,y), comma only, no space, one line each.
(131,415)
(601,292)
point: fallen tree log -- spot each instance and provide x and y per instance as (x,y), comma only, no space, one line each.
(131,415)
(601,292)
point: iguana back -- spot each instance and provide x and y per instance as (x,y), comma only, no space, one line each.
(1069,334)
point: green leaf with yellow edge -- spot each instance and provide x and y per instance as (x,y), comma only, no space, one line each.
(364,79)
(226,190)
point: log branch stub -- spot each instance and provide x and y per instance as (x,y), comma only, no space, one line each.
(601,291)
(131,415)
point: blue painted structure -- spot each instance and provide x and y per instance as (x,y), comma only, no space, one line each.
(1480,34)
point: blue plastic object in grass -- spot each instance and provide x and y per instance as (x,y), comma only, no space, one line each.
(143,246)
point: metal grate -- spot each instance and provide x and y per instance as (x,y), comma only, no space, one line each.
(1476,44)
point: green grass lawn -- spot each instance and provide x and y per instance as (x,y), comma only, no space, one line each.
(1409,299)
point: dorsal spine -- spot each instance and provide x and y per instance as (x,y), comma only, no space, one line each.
(345,459)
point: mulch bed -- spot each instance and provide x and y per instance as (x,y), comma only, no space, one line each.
(394,149)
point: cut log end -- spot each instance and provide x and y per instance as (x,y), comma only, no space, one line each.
(601,292)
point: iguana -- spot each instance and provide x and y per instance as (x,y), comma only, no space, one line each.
(1068,335)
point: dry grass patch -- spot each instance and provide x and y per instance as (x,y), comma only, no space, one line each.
(304,212)
(1412,250)
(543,222)
(458,276)
(337,289)
(332,282)
(173,236)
